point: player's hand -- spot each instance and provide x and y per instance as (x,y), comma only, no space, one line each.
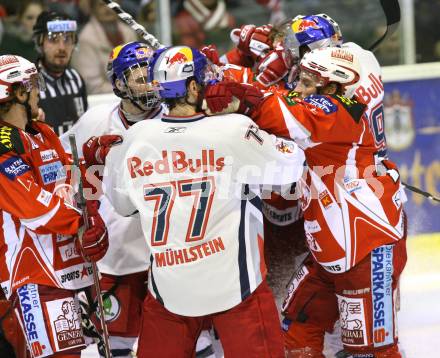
(95,150)
(211,54)
(220,96)
(94,242)
(253,41)
(273,68)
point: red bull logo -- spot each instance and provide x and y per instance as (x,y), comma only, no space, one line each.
(178,58)
(301,25)
(183,55)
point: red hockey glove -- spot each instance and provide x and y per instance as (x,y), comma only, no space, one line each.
(391,169)
(94,243)
(220,95)
(211,54)
(273,67)
(253,41)
(95,150)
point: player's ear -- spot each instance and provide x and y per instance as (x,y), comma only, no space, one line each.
(331,88)
(193,89)
(120,85)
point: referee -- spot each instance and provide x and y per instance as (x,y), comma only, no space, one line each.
(65,98)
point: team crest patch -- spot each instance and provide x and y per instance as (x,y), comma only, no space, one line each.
(322,102)
(399,122)
(112,307)
(65,322)
(284,146)
(353,322)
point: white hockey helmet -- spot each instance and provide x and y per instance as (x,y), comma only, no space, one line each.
(333,64)
(172,66)
(16,69)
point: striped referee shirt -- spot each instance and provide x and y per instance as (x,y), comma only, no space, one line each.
(64,100)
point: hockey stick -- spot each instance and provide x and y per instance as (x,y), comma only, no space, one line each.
(139,29)
(421,192)
(82,205)
(391,9)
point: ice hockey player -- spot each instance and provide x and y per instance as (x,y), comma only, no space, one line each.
(42,260)
(124,267)
(195,181)
(353,211)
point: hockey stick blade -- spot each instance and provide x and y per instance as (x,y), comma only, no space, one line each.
(138,28)
(391,9)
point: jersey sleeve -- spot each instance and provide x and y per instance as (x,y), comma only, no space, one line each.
(262,158)
(115,187)
(316,119)
(38,209)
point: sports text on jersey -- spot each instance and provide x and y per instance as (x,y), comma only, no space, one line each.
(186,255)
(176,161)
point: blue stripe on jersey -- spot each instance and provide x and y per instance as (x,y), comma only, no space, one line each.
(242,261)
(175,119)
(256,201)
(153,283)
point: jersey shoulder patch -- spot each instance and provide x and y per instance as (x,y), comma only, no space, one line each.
(10,140)
(322,102)
(290,98)
(354,108)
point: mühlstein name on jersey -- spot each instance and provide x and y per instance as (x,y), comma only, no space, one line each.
(186,255)
(176,161)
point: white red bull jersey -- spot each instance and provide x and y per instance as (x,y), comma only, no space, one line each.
(196,184)
(348,209)
(370,91)
(127,252)
(37,222)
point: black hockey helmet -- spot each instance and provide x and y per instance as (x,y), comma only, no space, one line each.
(51,22)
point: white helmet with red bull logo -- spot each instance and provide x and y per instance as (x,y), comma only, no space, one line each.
(16,70)
(333,65)
(172,66)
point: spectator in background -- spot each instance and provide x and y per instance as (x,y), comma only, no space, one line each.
(78,10)
(203,22)
(100,35)
(65,98)
(17,37)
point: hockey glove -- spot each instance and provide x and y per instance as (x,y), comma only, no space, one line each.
(219,96)
(95,150)
(273,68)
(253,41)
(94,243)
(211,54)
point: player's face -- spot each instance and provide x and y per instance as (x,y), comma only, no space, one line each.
(57,49)
(307,84)
(34,98)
